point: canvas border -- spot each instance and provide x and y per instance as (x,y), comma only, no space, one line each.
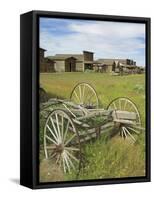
(35,99)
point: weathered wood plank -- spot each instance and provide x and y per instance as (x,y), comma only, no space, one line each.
(124,121)
(123,115)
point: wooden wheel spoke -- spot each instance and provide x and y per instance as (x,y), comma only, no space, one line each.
(53,155)
(58,128)
(83,93)
(125,105)
(130,108)
(130,134)
(51,147)
(66,130)
(51,140)
(72,149)
(77,97)
(134,130)
(66,161)
(64,166)
(62,126)
(88,100)
(124,132)
(71,163)
(80,93)
(138,128)
(114,105)
(87,94)
(54,127)
(120,105)
(56,139)
(70,139)
(70,155)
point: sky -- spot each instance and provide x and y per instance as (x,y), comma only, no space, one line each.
(105,39)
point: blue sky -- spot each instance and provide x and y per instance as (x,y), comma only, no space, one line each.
(105,39)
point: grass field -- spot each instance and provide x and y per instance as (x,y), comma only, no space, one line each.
(104,158)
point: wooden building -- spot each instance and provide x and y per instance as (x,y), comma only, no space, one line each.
(46,65)
(63,63)
(116,65)
(85,61)
(73,62)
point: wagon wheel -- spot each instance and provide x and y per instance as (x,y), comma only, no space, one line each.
(85,95)
(61,141)
(126,130)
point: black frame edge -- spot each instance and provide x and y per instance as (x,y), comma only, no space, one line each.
(90,16)
(26,99)
(148,98)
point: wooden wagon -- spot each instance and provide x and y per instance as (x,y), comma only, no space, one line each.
(70,123)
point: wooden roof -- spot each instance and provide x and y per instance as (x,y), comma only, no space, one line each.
(62,57)
(88,52)
(66,56)
(42,49)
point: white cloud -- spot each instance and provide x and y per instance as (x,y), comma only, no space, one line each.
(105,39)
(110,29)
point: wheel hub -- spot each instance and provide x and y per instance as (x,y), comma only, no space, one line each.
(59,148)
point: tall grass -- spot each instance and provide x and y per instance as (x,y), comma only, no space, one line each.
(104,157)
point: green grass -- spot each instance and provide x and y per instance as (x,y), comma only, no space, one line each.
(113,159)
(105,158)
